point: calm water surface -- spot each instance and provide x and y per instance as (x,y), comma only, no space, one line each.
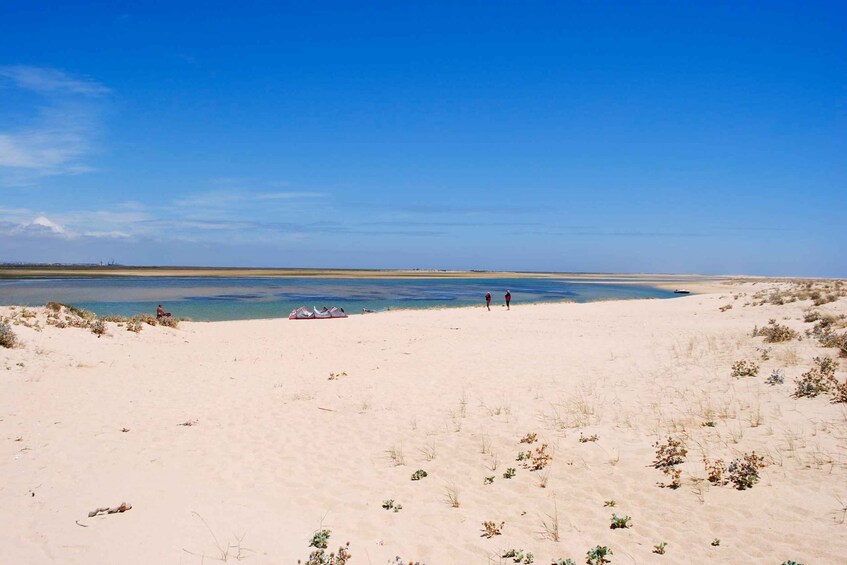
(248,298)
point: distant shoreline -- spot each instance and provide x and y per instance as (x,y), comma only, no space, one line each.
(86,271)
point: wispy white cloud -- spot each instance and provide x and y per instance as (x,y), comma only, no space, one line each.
(288,195)
(45,80)
(61,134)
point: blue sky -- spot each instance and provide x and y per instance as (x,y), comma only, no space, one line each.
(567,136)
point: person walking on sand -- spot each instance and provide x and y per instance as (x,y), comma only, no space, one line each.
(508,299)
(488,301)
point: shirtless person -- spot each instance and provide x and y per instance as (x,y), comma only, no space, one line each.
(508,299)
(160,312)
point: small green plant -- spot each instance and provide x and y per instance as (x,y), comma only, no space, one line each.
(789,562)
(609,504)
(562,562)
(744,368)
(8,339)
(725,307)
(491,529)
(510,472)
(586,439)
(598,555)
(523,456)
(391,505)
(660,548)
(418,475)
(133,325)
(620,522)
(716,542)
(488,480)
(518,556)
(709,424)
(336,376)
(744,471)
(320,539)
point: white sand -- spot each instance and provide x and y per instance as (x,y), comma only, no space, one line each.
(279,450)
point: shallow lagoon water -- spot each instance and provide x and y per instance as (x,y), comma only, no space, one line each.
(212,299)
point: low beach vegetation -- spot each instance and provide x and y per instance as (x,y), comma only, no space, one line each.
(518,556)
(8,339)
(598,555)
(392,505)
(775,333)
(98,328)
(668,456)
(744,368)
(319,556)
(620,522)
(491,529)
(818,380)
(743,472)
(777,377)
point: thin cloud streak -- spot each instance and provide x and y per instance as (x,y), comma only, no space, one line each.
(61,134)
(45,80)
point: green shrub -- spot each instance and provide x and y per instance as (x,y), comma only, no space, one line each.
(776,333)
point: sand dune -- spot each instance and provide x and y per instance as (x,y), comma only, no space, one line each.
(277,449)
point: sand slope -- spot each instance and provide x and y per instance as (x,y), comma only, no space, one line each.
(278,450)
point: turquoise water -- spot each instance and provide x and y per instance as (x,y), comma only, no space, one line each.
(208,299)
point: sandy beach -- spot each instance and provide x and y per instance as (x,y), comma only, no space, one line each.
(237,441)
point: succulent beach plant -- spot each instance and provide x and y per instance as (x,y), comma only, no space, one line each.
(418,475)
(518,556)
(598,555)
(620,522)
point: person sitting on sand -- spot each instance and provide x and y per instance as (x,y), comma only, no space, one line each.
(160,312)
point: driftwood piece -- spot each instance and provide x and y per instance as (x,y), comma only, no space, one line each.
(114,510)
